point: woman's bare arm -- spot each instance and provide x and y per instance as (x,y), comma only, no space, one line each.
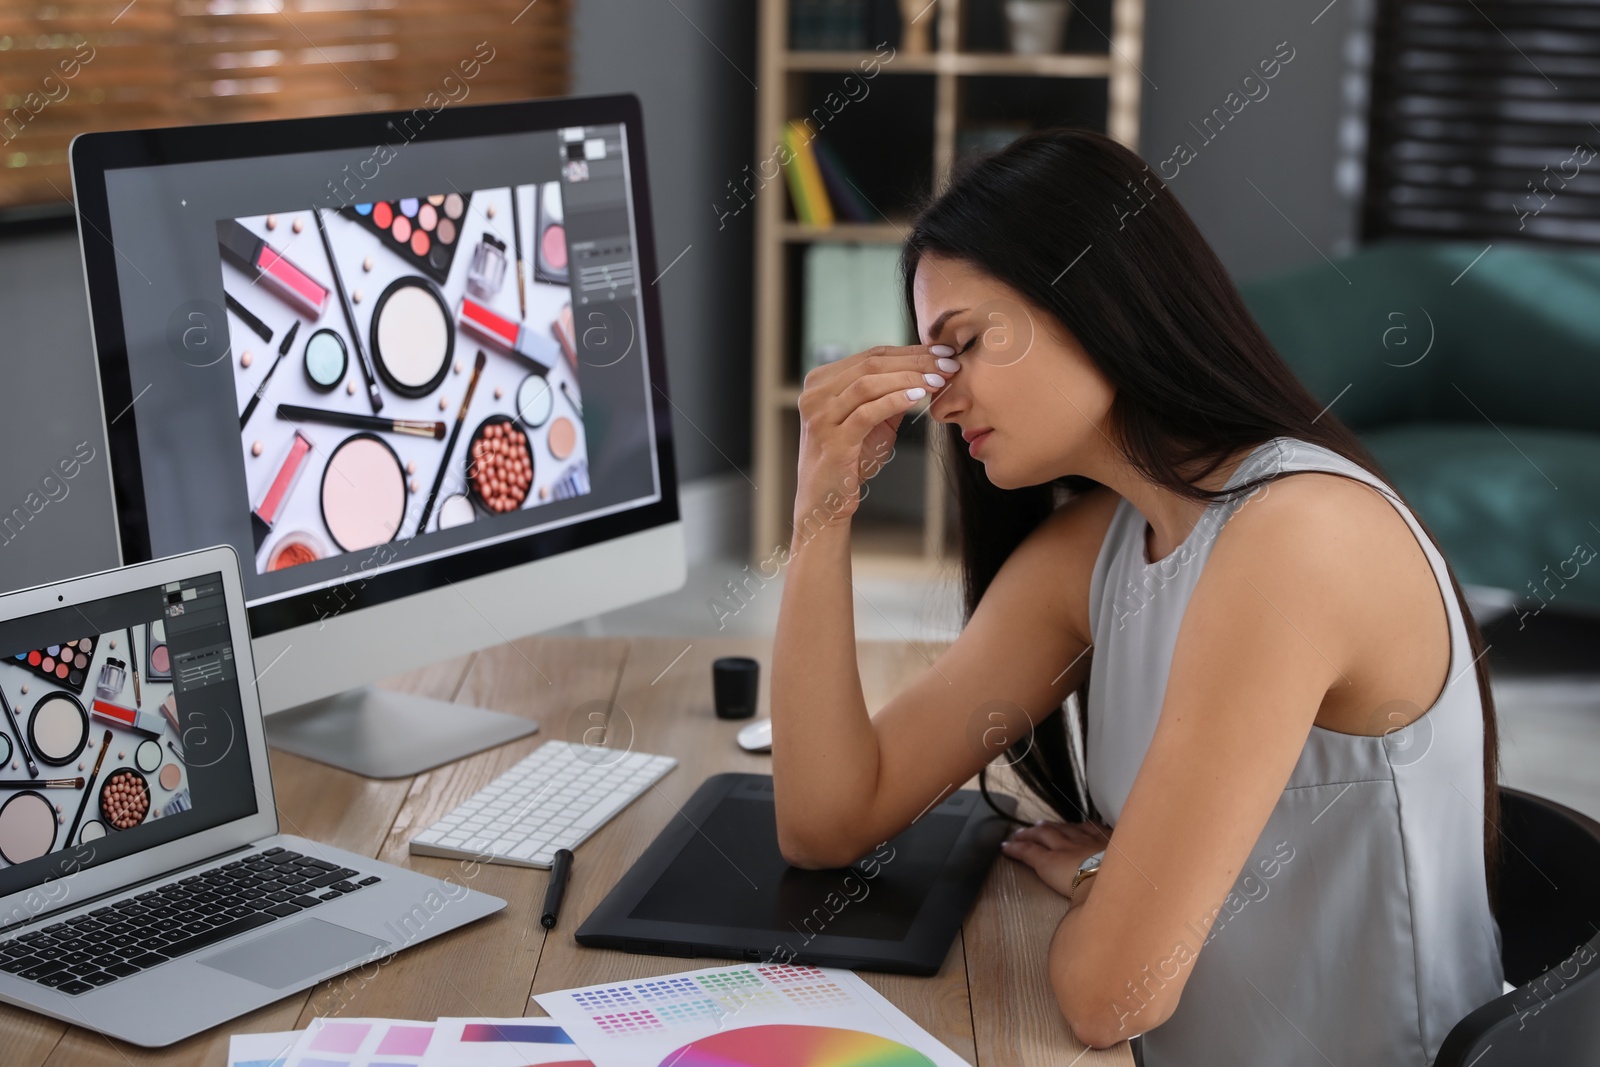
(846,781)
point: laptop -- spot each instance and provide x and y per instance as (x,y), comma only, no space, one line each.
(145,889)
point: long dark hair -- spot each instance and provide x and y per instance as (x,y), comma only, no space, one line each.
(1082,229)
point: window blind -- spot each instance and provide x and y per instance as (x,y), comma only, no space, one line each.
(72,66)
(1483,121)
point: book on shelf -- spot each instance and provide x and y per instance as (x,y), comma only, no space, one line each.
(852,301)
(848,202)
(842,25)
(804,179)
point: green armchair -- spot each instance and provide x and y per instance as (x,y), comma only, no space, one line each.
(1476,384)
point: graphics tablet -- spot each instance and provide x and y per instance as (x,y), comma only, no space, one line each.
(714,884)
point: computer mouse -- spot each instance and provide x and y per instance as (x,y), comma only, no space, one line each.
(757,737)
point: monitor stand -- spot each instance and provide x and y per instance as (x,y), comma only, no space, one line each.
(380,733)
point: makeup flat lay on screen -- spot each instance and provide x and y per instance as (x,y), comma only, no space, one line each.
(428,287)
(102,721)
(715,884)
(749,1016)
(502,1043)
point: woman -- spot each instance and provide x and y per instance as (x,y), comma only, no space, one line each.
(1287,735)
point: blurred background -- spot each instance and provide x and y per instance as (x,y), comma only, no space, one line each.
(1407,193)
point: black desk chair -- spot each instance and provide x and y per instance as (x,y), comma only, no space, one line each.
(1549,914)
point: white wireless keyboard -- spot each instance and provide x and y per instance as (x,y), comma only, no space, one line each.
(555,798)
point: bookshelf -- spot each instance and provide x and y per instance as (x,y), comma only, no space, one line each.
(900,141)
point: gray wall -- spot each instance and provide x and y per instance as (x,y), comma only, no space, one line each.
(689,61)
(1289,143)
(700,120)
(51,402)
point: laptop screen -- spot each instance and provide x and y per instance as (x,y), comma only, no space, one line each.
(122,729)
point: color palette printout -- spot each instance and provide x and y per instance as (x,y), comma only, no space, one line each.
(361,1043)
(502,1043)
(744,1016)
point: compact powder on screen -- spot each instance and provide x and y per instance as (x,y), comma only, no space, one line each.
(93,830)
(413,338)
(27,827)
(171,775)
(326,359)
(456,510)
(147,757)
(363,493)
(58,729)
(563,438)
(158,659)
(535,401)
(553,244)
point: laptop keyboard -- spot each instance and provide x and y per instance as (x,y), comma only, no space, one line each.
(185,916)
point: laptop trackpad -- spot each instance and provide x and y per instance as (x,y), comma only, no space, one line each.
(296,952)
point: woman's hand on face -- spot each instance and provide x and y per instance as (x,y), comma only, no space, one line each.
(850,411)
(1055,849)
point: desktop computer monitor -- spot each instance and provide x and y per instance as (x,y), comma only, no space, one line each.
(407,364)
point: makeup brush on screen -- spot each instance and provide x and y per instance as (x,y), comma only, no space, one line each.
(87,793)
(413,427)
(455,432)
(516,235)
(133,654)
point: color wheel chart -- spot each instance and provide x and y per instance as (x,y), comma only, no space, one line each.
(795,1046)
(744,1016)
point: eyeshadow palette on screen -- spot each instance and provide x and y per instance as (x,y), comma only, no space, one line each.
(380,426)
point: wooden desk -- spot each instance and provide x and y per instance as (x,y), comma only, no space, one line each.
(990,1002)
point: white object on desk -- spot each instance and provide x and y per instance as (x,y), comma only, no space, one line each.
(261,1050)
(554,798)
(757,737)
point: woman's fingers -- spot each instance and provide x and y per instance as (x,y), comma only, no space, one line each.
(870,387)
(835,378)
(1055,869)
(1047,835)
(868,415)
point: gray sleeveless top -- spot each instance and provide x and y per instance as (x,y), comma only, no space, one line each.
(1358,932)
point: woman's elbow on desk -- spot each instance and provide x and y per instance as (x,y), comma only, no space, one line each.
(1101,1008)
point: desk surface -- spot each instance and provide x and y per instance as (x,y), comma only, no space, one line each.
(990,1002)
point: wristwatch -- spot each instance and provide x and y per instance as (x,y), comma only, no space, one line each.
(1086,870)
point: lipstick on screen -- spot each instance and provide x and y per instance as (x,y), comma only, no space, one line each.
(507,335)
(265,264)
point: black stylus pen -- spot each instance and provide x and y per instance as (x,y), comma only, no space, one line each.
(560,870)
